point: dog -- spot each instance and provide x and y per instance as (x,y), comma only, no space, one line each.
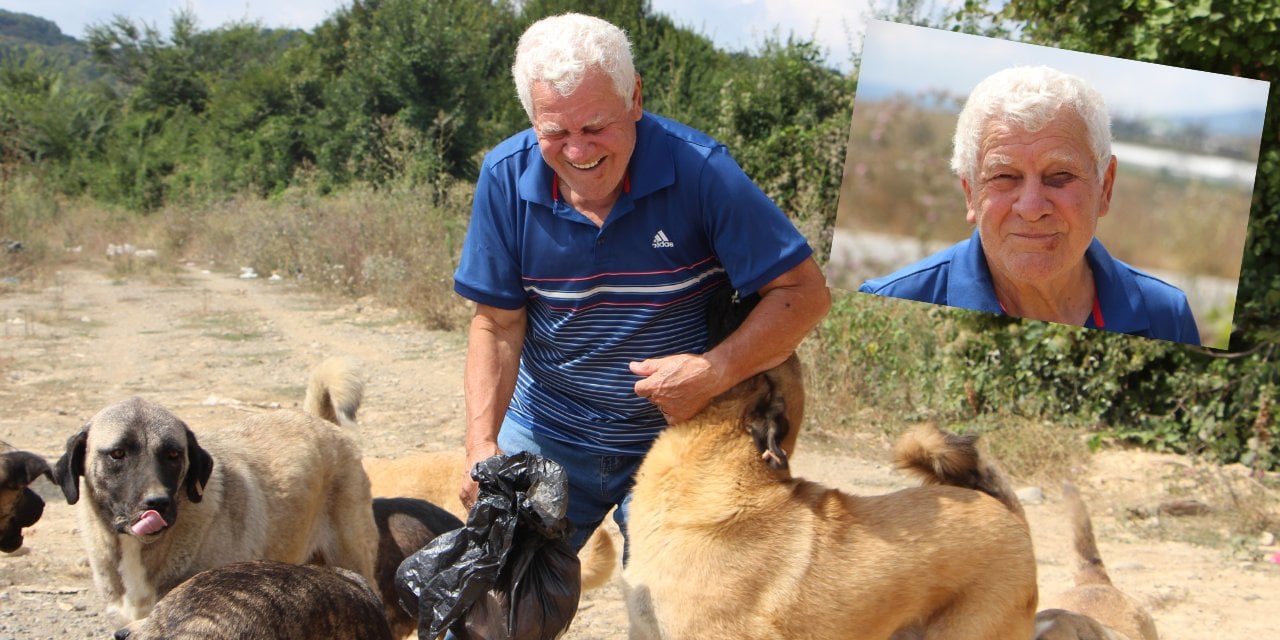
(434,477)
(405,525)
(161,505)
(265,600)
(20,507)
(1094,609)
(725,544)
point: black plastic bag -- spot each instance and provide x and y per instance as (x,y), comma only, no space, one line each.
(509,574)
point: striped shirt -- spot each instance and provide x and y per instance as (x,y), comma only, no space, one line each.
(599,298)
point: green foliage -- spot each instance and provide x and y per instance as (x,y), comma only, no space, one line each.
(880,352)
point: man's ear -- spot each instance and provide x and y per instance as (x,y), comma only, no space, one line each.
(637,100)
(1108,181)
(971,213)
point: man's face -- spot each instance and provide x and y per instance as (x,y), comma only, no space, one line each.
(587,137)
(1037,198)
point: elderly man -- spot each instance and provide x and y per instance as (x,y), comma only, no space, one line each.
(597,238)
(1033,153)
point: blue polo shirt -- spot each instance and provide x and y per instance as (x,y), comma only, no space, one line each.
(690,222)
(1130,301)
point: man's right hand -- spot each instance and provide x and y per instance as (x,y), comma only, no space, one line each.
(468,490)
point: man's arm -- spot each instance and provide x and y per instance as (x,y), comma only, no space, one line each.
(493,360)
(790,306)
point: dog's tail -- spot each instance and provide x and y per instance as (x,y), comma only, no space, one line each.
(334,391)
(1089,567)
(942,457)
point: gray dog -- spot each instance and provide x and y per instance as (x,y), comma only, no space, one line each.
(160,505)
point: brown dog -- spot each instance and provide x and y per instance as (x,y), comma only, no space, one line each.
(1094,609)
(405,525)
(434,477)
(160,506)
(19,506)
(265,600)
(725,545)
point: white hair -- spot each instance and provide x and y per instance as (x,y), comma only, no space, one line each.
(559,50)
(1029,98)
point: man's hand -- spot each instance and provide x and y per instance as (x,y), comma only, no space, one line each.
(469,489)
(680,385)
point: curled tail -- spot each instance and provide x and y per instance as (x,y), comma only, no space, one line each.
(1089,567)
(334,392)
(942,457)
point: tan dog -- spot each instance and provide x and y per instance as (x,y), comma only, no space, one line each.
(161,505)
(434,476)
(727,546)
(268,600)
(20,507)
(1094,609)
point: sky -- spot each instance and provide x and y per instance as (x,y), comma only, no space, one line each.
(732,24)
(915,58)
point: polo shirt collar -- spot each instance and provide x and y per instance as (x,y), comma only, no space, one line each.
(1119,296)
(970,286)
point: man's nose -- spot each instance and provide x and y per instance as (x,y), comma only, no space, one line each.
(1031,203)
(578,149)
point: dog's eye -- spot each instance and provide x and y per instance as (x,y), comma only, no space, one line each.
(117,454)
(173,454)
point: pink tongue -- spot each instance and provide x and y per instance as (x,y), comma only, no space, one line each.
(149,523)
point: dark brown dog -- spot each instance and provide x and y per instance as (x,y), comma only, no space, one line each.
(265,600)
(405,525)
(19,506)
(1113,614)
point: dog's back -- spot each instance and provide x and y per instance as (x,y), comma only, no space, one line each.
(266,599)
(1094,595)
(940,457)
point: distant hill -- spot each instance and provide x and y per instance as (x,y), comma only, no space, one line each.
(23,36)
(22,28)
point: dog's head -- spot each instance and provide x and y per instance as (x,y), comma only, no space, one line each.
(774,399)
(19,506)
(138,462)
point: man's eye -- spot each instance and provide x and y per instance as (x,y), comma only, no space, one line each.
(1059,179)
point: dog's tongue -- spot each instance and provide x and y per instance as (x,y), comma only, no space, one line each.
(149,523)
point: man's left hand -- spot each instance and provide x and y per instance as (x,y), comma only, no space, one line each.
(680,385)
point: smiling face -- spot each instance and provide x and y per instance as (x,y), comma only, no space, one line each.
(1036,200)
(587,138)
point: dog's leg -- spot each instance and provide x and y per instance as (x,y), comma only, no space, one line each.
(642,619)
(986,613)
(139,594)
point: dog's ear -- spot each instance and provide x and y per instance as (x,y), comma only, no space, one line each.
(768,424)
(726,312)
(199,468)
(21,468)
(70,467)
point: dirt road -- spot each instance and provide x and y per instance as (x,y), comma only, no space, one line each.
(214,348)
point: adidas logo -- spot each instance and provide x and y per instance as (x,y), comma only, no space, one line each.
(660,241)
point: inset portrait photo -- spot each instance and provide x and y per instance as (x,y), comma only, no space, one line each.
(1047,184)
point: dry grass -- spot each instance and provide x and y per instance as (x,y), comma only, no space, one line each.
(398,245)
